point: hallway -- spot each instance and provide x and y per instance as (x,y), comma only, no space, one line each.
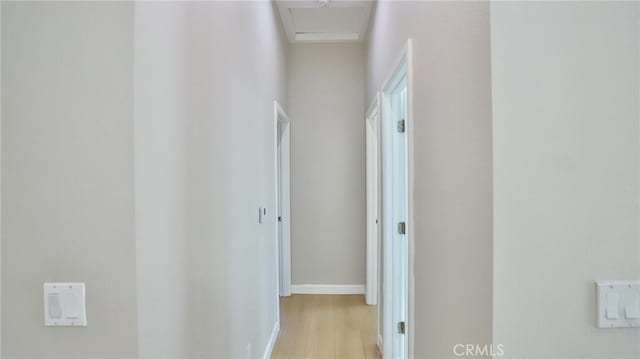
(438,179)
(326,326)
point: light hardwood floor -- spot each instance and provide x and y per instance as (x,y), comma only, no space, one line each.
(326,326)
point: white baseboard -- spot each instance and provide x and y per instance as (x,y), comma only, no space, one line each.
(327,288)
(380,343)
(272,341)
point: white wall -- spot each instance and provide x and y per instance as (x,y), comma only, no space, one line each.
(453,163)
(203,131)
(206,78)
(566,145)
(326,107)
(161,183)
(67,175)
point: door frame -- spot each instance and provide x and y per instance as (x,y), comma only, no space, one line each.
(282,156)
(373,177)
(394,345)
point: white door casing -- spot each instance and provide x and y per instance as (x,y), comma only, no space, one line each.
(397,228)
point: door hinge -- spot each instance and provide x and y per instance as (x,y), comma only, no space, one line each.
(401,328)
(402,228)
(401,126)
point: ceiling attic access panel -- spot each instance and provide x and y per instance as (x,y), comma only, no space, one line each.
(324,20)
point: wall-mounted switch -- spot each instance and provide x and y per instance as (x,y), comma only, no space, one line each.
(64,305)
(632,306)
(617,304)
(613,305)
(55,307)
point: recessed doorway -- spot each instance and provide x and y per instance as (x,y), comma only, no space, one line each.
(283,198)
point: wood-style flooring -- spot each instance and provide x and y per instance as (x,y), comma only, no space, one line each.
(326,326)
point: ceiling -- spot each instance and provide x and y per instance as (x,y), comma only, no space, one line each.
(325,20)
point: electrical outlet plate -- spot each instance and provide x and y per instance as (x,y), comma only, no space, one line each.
(64,305)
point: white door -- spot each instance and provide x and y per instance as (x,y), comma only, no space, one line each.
(279,196)
(283,202)
(373,203)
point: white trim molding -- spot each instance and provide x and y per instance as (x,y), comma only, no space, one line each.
(328,289)
(272,340)
(398,302)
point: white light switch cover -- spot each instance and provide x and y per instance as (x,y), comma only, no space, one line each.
(618,304)
(64,305)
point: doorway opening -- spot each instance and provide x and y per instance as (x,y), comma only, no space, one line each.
(328,316)
(374,215)
(283,199)
(373,168)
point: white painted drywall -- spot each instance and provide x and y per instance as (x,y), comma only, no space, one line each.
(207,74)
(453,163)
(67,175)
(328,199)
(566,145)
(161,185)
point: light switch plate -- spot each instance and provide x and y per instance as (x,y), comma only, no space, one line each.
(618,304)
(64,305)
